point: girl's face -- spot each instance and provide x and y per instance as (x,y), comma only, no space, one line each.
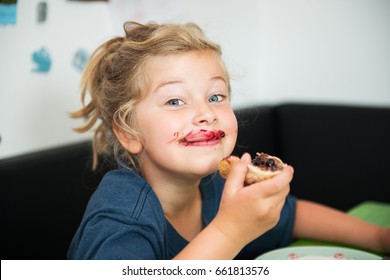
(186,118)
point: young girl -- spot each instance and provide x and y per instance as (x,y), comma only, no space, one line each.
(161,98)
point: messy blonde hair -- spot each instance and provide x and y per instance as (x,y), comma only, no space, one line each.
(116,79)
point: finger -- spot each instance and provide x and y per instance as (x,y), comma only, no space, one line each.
(238,173)
(277,184)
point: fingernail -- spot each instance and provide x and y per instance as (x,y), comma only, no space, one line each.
(245,157)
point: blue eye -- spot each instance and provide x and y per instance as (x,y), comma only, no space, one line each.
(216,98)
(175,102)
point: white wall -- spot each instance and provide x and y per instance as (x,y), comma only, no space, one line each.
(277,51)
(34,106)
(327,50)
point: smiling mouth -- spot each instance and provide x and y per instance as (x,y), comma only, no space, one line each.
(201,137)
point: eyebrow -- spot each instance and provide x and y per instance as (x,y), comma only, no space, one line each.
(168,83)
(171,82)
(219,78)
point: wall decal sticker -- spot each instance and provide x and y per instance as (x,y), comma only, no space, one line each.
(80,59)
(42,60)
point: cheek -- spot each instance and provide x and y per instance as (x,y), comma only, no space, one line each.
(160,131)
(231,123)
(233,136)
(231,127)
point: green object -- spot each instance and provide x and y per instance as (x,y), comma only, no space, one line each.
(374,212)
(370,211)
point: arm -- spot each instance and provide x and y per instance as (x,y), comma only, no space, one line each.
(319,222)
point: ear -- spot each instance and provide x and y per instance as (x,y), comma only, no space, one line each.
(128,142)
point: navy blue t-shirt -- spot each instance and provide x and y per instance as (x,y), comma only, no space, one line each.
(124,220)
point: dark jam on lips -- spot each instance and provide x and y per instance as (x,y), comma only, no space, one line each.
(265,162)
(201,136)
(209,135)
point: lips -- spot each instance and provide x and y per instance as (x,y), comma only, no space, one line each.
(201,136)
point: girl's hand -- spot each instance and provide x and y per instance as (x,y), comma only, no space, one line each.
(247,212)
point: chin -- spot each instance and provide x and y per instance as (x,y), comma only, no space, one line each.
(206,169)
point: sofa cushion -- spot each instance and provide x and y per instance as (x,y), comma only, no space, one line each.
(340,153)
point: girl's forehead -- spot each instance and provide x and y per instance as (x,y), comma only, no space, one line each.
(190,55)
(199,66)
(183,64)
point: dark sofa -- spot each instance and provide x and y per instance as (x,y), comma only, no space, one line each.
(340,155)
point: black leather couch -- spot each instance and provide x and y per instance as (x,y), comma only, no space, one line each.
(340,155)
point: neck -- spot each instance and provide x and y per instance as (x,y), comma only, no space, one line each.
(177,195)
(181,202)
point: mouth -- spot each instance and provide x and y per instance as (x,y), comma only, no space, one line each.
(202,137)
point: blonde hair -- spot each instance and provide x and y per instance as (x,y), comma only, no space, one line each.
(116,78)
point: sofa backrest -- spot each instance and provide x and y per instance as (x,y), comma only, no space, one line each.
(43,197)
(340,154)
(256,131)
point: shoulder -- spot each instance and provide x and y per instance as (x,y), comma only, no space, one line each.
(123,220)
(127,192)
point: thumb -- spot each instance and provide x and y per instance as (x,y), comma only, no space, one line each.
(238,173)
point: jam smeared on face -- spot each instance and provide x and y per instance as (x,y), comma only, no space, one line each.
(267,162)
(201,135)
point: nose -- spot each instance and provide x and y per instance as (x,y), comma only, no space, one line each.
(204,114)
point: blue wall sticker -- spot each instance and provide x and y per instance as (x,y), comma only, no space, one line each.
(7,14)
(42,60)
(80,59)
